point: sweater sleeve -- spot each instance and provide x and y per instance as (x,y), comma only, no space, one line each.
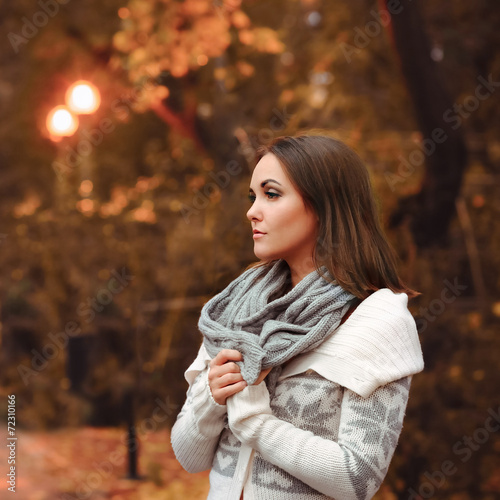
(351,468)
(195,433)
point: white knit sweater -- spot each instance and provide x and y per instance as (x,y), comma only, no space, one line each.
(332,426)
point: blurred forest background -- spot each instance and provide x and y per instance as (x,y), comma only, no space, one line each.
(113,238)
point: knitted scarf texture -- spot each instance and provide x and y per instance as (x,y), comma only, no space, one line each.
(270,332)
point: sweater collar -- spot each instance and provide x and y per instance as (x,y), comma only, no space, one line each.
(376,345)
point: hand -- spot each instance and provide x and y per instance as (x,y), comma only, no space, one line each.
(224,376)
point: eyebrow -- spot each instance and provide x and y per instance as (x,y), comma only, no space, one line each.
(263,183)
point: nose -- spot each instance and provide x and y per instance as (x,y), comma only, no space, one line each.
(254,212)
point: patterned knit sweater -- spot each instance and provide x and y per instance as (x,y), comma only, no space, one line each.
(332,426)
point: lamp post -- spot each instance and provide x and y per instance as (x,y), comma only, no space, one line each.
(83,98)
(63,121)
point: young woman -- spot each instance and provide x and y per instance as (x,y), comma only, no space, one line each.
(300,385)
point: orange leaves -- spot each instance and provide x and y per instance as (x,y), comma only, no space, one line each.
(262,39)
(92,462)
(212,35)
(266,40)
(240,20)
(178,37)
(122,41)
(28,206)
(247,37)
(245,68)
(495,308)
(175,37)
(193,8)
(138,56)
(227,5)
(179,63)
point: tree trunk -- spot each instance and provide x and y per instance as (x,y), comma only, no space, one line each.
(443,147)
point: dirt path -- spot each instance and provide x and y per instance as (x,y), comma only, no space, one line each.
(90,464)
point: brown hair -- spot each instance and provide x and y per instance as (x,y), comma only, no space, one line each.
(335,184)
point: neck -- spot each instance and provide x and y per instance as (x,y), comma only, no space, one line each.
(300,271)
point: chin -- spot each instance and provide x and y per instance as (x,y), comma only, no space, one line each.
(263,255)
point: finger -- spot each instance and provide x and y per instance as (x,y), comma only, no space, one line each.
(229,379)
(232,389)
(229,367)
(228,355)
(220,377)
(217,371)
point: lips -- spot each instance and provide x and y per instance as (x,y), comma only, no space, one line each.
(256,231)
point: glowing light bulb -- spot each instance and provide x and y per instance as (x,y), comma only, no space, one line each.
(61,122)
(83,98)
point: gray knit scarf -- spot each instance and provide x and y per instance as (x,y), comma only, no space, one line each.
(269,333)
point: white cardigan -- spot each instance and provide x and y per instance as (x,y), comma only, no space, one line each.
(315,440)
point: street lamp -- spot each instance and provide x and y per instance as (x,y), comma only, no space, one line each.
(61,122)
(82,98)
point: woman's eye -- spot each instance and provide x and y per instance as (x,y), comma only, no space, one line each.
(269,194)
(272,195)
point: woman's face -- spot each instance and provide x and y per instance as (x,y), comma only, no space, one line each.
(287,228)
